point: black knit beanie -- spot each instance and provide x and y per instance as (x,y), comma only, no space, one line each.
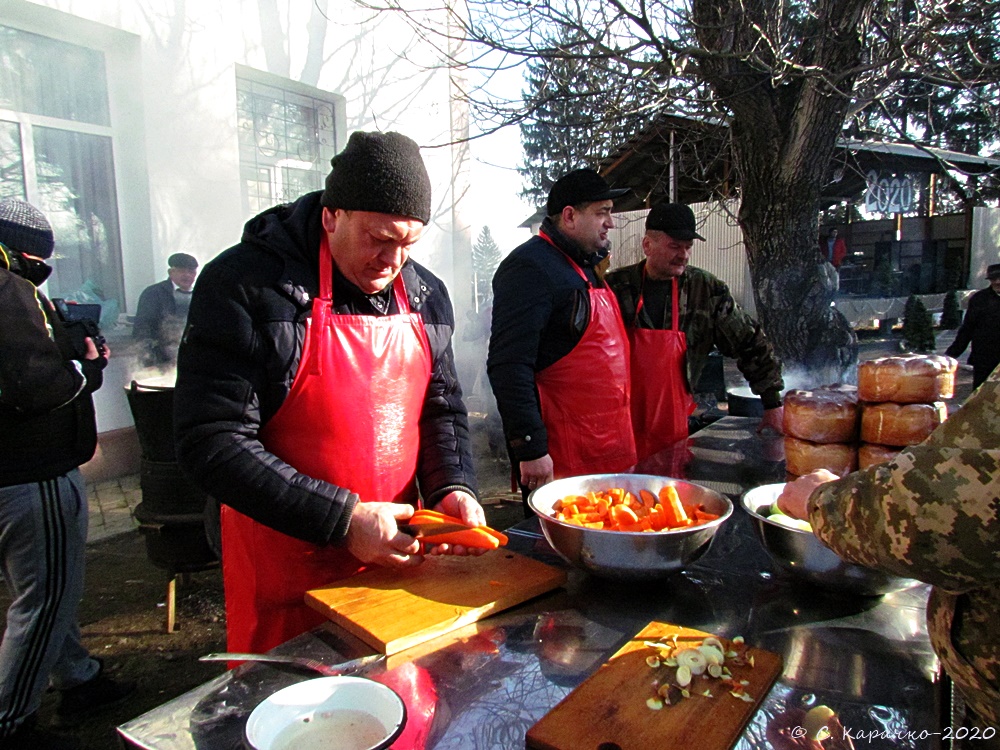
(379,172)
(24,228)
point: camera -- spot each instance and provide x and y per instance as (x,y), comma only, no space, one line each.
(81,322)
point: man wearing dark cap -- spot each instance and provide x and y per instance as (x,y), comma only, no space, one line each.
(558,353)
(675,315)
(316,391)
(47,430)
(981,328)
(162,311)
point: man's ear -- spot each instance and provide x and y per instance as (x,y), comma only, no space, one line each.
(329,220)
(568,216)
(645,244)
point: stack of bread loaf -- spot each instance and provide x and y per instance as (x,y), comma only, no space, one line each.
(897,403)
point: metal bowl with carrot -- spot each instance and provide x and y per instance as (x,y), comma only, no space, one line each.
(629,526)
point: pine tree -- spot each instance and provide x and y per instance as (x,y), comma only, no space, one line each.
(951,312)
(561,133)
(485,259)
(918,326)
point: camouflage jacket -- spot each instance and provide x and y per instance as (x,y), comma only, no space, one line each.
(934,514)
(709,317)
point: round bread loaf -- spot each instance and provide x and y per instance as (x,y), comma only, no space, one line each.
(804,456)
(911,379)
(870,454)
(900,424)
(825,415)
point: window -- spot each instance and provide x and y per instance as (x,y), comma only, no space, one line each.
(56,153)
(287,134)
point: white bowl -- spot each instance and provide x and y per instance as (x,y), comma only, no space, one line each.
(349,713)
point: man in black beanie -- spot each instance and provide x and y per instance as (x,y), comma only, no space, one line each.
(316,394)
(47,430)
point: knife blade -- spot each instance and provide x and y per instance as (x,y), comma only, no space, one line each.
(422,530)
(330,670)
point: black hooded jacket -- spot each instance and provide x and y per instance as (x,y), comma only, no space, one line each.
(238,359)
(47,424)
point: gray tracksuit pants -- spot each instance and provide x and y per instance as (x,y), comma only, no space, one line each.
(43,535)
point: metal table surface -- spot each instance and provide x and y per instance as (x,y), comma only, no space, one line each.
(868,658)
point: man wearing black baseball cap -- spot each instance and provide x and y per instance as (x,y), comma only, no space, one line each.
(558,353)
(675,315)
(981,328)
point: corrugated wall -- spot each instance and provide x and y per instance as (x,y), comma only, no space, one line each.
(721,254)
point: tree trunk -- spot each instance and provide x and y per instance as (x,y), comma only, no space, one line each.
(784,128)
(794,291)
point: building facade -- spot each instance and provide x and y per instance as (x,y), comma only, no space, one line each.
(146,128)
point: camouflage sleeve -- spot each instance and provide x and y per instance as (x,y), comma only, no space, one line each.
(934,512)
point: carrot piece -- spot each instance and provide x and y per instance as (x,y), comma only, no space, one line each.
(641,525)
(671,504)
(616,494)
(704,516)
(474,536)
(602,506)
(623,515)
(498,535)
(648,498)
(432,516)
(657,518)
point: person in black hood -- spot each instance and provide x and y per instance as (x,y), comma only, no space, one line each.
(558,356)
(980,328)
(316,392)
(47,430)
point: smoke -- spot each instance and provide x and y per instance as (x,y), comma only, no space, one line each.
(798,378)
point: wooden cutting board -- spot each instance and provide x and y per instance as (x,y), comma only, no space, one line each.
(609,709)
(391,609)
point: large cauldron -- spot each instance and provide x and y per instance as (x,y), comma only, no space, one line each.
(175,517)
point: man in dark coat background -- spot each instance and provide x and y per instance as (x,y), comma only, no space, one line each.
(162,311)
(981,328)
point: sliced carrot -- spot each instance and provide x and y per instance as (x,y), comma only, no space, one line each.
(617,509)
(657,519)
(648,498)
(425,516)
(474,536)
(671,504)
(622,514)
(498,535)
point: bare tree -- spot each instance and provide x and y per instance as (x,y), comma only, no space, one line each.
(784,75)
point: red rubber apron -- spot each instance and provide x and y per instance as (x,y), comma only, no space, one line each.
(585,395)
(661,401)
(351,419)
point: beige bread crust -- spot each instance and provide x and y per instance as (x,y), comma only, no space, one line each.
(803,457)
(824,415)
(911,379)
(900,424)
(870,454)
